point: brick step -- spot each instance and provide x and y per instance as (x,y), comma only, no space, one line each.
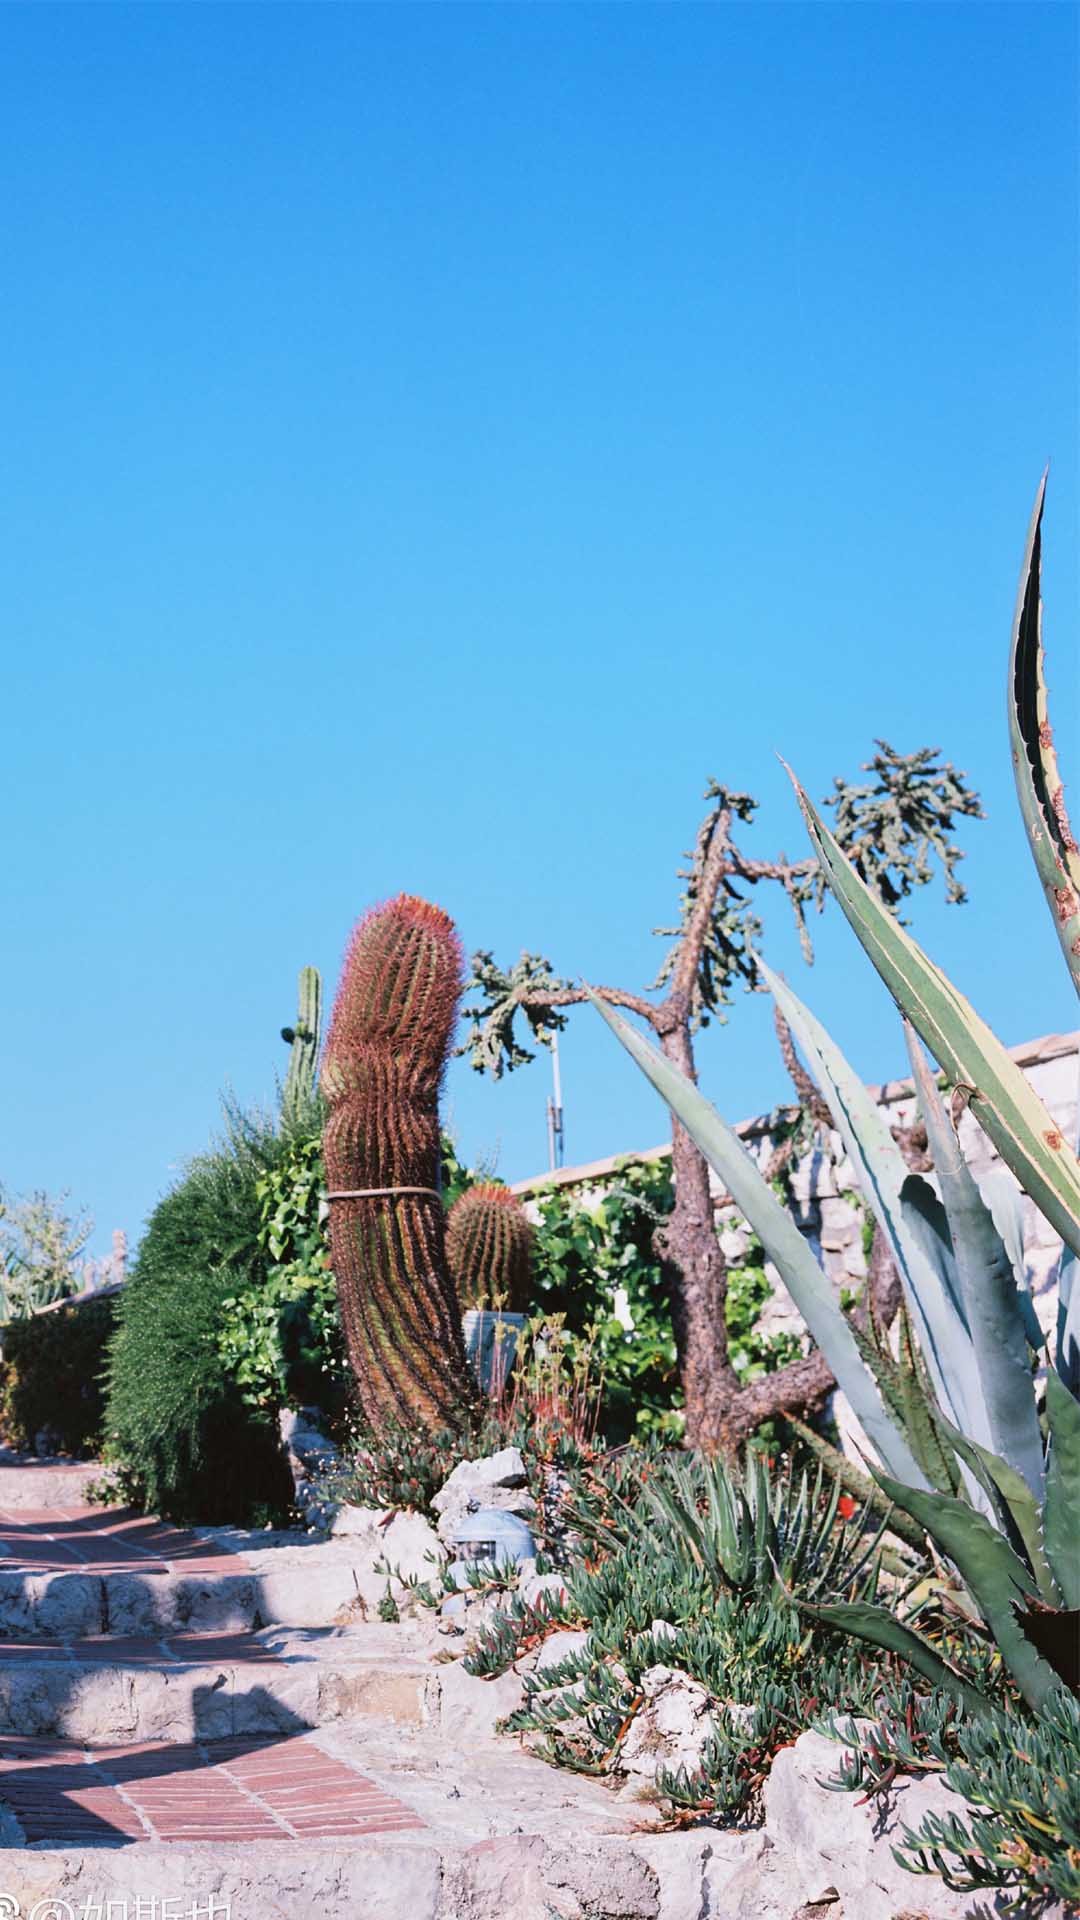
(330,1826)
(212,1686)
(82,1570)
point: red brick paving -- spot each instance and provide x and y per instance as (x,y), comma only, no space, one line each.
(257,1789)
(105,1540)
(119,1650)
(285,1789)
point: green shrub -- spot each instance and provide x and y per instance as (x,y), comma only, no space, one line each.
(715,1556)
(179,1431)
(281,1337)
(51,1377)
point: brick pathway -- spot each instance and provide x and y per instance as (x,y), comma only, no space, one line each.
(262,1788)
(109,1540)
(270,1790)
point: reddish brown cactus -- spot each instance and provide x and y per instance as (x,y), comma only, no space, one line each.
(386,1054)
(489,1244)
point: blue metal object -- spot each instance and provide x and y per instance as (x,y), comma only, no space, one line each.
(485,1535)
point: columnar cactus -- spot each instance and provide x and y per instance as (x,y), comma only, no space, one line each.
(303,1040)
(385,1057)
(489,1244)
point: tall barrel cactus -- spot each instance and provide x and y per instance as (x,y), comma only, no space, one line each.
(489,1244)
(386,1054)
(303,1042)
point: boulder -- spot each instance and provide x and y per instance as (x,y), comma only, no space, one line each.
(835,1849)
(499,1480)
(672,1727)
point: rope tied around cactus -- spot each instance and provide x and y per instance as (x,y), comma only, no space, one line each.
(380,1193)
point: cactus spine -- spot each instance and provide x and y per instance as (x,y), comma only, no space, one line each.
(303,1039)
(386,1054)
(489,1244)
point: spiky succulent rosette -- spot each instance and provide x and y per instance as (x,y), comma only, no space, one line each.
(386,1055)
(489,1244)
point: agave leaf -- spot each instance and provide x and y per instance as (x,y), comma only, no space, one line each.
(931,1291)
(778,1234)
(1067,1346)
(996,1578)
(1017,1505)
(1004,1202)
(1061,1518)
(994,1316)
(1038,783)
(882,1629)
(1003,1102)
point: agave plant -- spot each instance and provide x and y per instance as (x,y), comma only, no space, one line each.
(1008,1518)
(745,1531)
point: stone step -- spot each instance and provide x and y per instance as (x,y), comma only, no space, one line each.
(26,1481)
(82,1570)
(213,1686)
(333,1826)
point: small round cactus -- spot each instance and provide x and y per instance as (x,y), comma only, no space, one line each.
(386,1054)
(489,1244)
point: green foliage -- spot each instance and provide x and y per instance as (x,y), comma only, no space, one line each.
(280,1337)
(582,1258)
(40,1243)
(491,1042)
(589,1260)
(891,826)
(1019,1773)
(691,1565)
(179,1432)
(401,1467)
(51,1377)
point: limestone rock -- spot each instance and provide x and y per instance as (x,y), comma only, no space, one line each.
(498,1481)
(671,1729)
(470,1707)
(829,1840)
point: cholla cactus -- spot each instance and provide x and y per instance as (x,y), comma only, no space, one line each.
(489,1244)
(385,1058)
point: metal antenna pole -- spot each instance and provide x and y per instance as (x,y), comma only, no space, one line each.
(555,1111)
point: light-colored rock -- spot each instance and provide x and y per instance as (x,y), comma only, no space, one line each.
(671,1729)
(556,1648)
(533,1587)
(824,1839)
(499,1480)
(694,1869)
(469,1707)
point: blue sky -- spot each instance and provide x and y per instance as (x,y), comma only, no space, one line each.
(436,438)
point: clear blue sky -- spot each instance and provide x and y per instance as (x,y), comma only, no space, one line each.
(435,438)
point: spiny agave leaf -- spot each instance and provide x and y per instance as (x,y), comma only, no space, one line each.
(985,1274)
(931,1291)
(778,1234)
(882,1629)
(997,1580)
(1055,1631)
(1004,1202)
(1038,783)
(1016,1504)
(1061,1518)
(1067,1344)
(1003,1102)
